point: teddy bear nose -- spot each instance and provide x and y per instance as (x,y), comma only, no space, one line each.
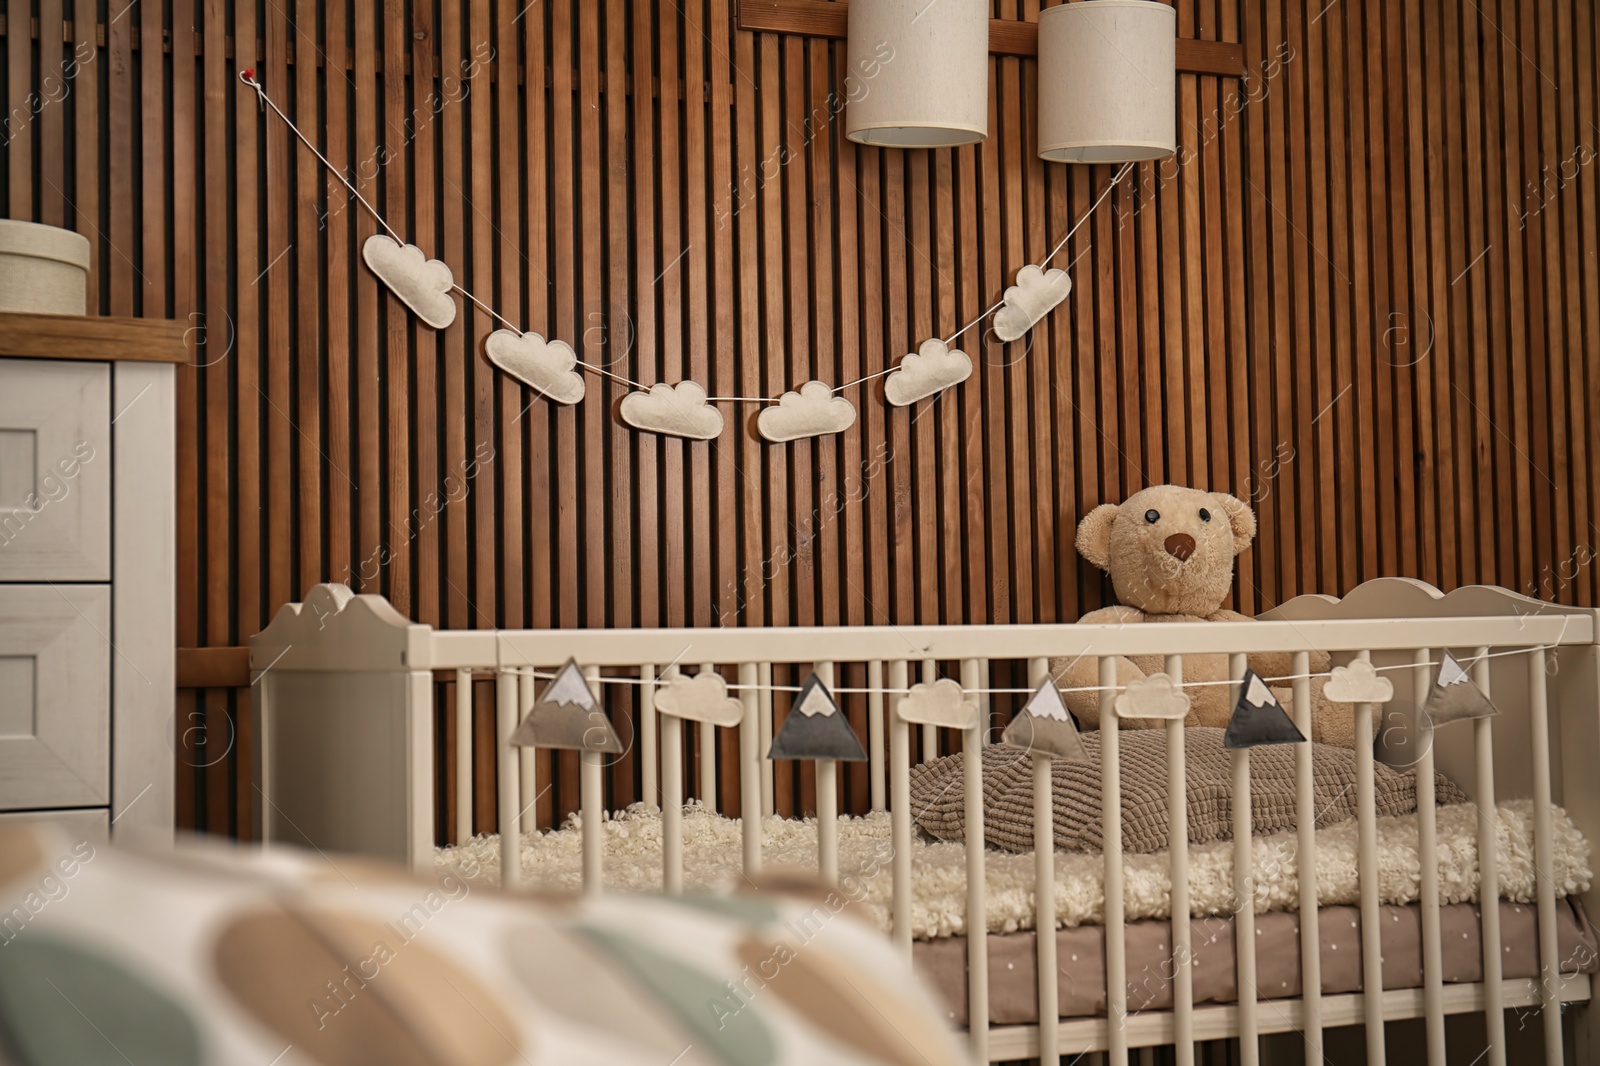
(1180,546)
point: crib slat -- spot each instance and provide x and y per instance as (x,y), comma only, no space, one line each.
(769,802)
(1489,874)
(984,698)
(930,734)
(1544,859)
(526,766)
(827,801)
(592,800)
(1111,819)
(1244,929)
(707,734)
(749,758)
(1367,872)
(1306,864)
(1044,890)
(671,797)
(977,901)
(900,814)
(1178,856)
(510,818)
(649,747)
(1428,856)
(875,733)
(463,756)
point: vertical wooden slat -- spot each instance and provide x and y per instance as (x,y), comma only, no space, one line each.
(591,770)
(1488,871)
(750,754)
(463,756)
(827,801)
(1306,861)
(875,712)
(1244,889)
(508,799)
(1367,873)
(18,121)
(1111,843)
(977,887)
(1428,857)
(1544,856)
(1178,857)
(671,798)
(900,815)
(1044,890)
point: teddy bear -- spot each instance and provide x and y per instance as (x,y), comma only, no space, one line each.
(1170,551)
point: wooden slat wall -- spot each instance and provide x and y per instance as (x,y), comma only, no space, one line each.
(1364,295)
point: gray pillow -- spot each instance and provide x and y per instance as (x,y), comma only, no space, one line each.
(938,795)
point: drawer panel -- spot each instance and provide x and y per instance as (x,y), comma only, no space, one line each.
(55,470)
(55,696)
(93,824)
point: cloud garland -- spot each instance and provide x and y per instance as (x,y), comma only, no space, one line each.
(550,367)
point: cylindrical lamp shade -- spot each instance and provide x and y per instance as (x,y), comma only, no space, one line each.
(918,74)
(1108,81)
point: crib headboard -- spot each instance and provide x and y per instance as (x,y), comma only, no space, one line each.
(342,698)
(1572,679)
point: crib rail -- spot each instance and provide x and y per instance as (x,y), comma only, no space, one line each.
(1508,643)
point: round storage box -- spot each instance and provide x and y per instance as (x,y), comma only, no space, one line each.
(43,269)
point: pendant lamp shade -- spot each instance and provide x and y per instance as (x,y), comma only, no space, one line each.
(918,74)
(1107,81)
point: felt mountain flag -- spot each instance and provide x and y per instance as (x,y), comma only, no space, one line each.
(1454,697)
(567,715)
(1044,725)
(1258,717)
(816,728)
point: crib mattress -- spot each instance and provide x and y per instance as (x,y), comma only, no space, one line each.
(1013,985)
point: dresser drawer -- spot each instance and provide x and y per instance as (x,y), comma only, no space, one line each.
(93,824)
(55,696)
(55,470)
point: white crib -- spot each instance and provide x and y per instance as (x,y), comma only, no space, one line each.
(345,689)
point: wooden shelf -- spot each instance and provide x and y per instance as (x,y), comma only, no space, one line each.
(1007,37)
(138,340)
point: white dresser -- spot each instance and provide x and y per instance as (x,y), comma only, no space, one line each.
(87,502)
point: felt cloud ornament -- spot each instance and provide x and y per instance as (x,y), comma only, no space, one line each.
(1454,697)
(1258,717)
(943,703)
(422,284)
(1155,696)
(1036,292)
(1358,683)
(677,410)
(701,698)
(929,370)
(814,411)
(544,366)
(1043,725)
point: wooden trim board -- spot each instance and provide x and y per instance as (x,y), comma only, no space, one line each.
(145,340)
(1007,37)
(213,667)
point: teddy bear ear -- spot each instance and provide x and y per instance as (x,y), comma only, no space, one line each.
(1243,520)
(1094,535)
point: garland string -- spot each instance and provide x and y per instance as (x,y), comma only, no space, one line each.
(248,77)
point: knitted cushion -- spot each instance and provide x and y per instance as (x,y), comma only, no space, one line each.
(938,795)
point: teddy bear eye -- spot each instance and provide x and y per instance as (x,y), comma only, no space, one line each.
(1152,516)
(1205,515)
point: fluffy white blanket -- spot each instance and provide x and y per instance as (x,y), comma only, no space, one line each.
(712,860)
